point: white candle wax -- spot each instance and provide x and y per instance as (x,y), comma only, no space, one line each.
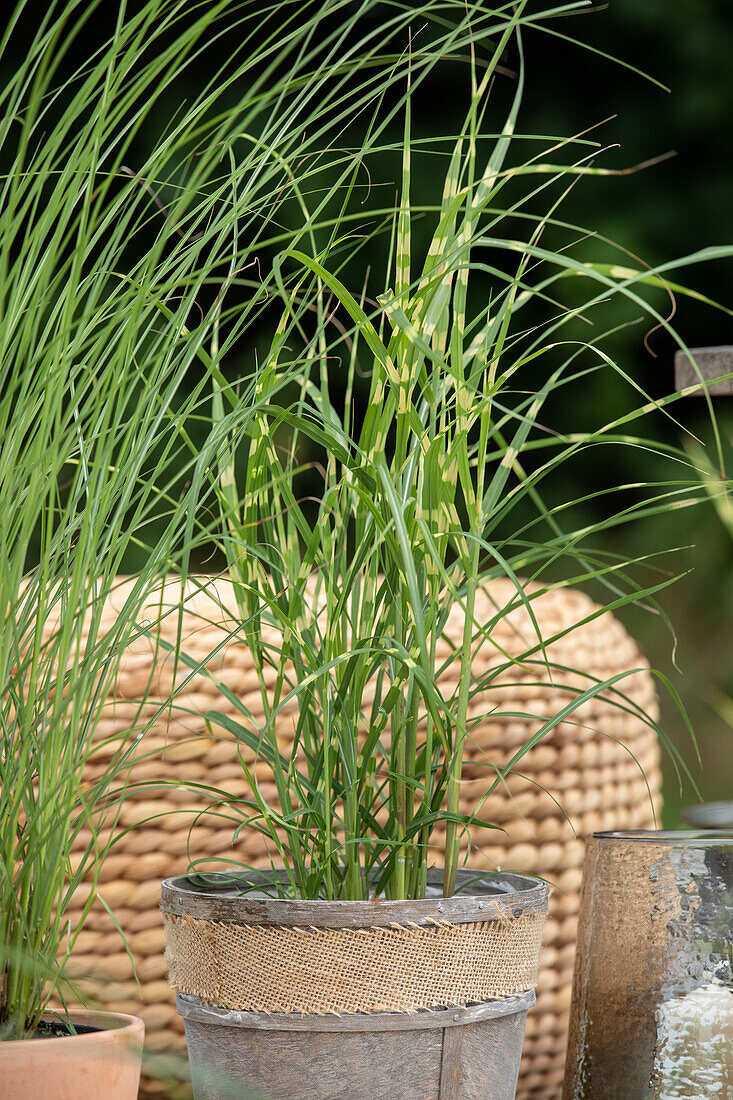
(694,1050)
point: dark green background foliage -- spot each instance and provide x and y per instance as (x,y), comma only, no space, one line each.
(666,210)
(669,209)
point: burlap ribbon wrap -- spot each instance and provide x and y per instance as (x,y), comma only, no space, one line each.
(402,968)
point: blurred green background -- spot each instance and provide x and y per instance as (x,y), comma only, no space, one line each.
(668,210)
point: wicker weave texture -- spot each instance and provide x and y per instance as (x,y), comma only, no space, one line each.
(598,769)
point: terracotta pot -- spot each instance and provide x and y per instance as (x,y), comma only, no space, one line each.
(96,1065)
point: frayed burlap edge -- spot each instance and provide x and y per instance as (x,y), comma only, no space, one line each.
(265,968)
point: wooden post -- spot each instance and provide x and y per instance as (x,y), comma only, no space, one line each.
(712,363)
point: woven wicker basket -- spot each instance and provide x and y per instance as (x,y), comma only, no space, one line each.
(587,769)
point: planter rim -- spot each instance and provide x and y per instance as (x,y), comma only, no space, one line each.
(191,1008)
(111,1025)
(709,815)
(671,837)
(490,896)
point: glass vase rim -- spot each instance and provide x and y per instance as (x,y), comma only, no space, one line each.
(671,837)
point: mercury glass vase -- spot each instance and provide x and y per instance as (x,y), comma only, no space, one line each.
(652,1010)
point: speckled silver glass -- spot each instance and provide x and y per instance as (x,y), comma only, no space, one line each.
(652,1010)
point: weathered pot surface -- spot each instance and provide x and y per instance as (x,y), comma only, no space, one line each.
(101,1064)
(454,1052)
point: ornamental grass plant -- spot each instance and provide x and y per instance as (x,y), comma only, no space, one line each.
(394,452)
(196,356)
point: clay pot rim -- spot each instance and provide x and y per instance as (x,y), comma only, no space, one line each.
(111,1026)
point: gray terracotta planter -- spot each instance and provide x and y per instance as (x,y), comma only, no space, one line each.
(449,1051)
